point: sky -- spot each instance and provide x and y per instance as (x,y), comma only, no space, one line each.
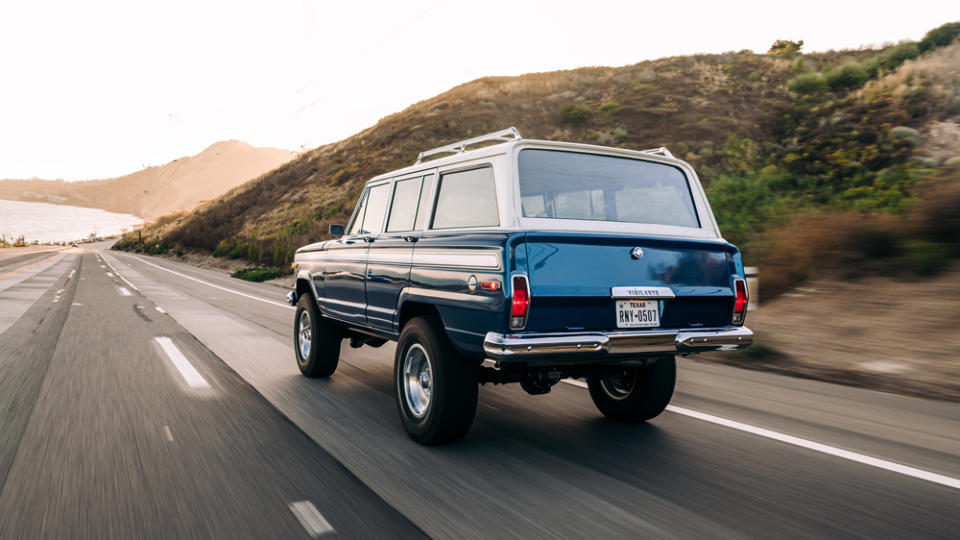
(100,88)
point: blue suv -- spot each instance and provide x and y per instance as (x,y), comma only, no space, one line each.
(524,261)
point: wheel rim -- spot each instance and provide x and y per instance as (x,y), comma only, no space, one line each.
(619,384)
(304,335)
(417,380)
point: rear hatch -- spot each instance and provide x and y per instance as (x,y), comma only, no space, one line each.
(615,282)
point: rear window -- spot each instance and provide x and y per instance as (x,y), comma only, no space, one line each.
(571,185)
(466,199)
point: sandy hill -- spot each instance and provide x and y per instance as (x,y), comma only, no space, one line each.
(774,136)
(154,191)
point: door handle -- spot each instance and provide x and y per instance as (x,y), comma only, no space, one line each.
(410,238)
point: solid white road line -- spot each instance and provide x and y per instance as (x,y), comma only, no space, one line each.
(311,519)
(809,445)
(216,286)
(109,274)
(124,291)
(186,369)
(158,308)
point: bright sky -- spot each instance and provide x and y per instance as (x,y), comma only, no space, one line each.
(101,88)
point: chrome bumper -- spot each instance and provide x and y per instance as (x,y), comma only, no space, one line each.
(597,345)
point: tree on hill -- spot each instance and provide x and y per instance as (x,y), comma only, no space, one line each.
(785,48)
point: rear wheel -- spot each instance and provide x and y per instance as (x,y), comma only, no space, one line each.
(435,388)
(315,340)
(634,393)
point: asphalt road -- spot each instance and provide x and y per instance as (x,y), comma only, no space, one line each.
(102,436)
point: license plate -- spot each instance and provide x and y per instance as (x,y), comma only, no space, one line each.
(638,313)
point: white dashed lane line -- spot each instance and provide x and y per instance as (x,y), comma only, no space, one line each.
(311,519)
(809,445)
(179,361)
(167,434)
(124,291)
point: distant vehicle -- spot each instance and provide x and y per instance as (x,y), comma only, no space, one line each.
(524,261)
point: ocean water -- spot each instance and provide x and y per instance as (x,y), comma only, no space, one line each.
(52,222)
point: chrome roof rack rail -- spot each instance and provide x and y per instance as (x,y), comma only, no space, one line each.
(505,135)
(662,151)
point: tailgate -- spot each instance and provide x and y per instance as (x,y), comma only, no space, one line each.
(572,280)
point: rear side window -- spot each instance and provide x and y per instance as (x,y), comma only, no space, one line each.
(376,210)
(403,211)
(466,199)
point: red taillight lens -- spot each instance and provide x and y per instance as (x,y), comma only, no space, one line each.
(521,303)
(521,300)
(740,304)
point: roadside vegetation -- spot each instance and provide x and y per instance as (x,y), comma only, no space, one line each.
(258,273)
(847,161)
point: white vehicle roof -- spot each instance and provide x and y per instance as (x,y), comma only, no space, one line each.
(503,158)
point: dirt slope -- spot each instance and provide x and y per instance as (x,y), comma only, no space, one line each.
(154,191)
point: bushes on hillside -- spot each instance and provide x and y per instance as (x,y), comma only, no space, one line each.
(891,58)
(851,245)
(940,37)
(574,114)
(807,83)
(848,76)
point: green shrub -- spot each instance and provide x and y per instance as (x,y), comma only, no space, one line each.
(849,75)
(908,135)
(753,77)
(610,108)
(236,251)
(332,211)
(785,48)
(257,273)
(925,258)
(223,248)
(940,36)
(891,58)
(808,83)
(295,227)
(179,252)
(574,114)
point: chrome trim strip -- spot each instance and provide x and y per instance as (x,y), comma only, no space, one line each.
(517,347)
(460,258)
(641,292)
(446,295)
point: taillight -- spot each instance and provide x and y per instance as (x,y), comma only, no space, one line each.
(521,303)
(740,304)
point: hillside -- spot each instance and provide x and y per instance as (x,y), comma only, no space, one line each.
(155,191)
(783,139)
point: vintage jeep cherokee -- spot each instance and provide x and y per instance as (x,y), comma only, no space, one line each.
(524,261)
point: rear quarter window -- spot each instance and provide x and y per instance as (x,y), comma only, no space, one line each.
(466,199)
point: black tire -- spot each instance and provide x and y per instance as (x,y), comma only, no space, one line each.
(452,403)
(323,352)
(632,393)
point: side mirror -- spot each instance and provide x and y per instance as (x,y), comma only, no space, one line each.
(336,230)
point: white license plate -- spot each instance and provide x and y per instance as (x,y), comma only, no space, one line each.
(638,313)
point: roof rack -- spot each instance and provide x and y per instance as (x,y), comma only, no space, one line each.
(509,134)
(662,151)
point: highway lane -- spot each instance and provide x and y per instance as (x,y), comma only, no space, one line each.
(104,432)
(551,466)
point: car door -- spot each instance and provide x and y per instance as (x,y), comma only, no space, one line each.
(344,291)
(391,255)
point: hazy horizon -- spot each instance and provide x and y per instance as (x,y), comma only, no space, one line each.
(107,89)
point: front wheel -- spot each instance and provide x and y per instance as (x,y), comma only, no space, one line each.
(435,388)
(634,393)
(315,340)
